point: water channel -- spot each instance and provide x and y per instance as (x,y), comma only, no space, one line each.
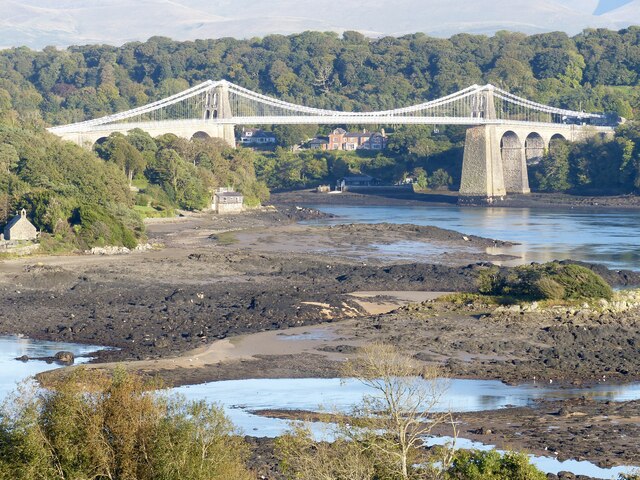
(13,371)
(607,236)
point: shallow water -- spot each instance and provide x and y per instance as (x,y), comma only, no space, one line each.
(606,236)
(240,397)
(13,371)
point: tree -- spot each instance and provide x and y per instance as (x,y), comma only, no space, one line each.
(553,174)
(403,409)
(420,178)
(8,158)
(381,437)
(91,426)
(440,179)
(292,135)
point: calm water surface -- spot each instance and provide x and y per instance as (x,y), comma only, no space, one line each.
(610,237)
(13,371)
(240,397)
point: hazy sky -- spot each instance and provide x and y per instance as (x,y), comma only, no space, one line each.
(37,23)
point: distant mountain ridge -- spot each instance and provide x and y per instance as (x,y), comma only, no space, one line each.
(38,23)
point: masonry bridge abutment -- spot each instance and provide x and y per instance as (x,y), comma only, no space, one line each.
(506,132)
(496,157)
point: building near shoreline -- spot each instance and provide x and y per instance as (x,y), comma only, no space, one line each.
(20,228)
(356,180)
(226,200)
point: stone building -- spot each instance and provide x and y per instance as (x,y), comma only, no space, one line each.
(20,228)
(225,200)
(340,139)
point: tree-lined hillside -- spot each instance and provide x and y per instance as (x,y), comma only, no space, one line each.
(596,70)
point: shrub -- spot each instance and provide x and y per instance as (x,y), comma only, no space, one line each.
(90,426)
(481,465)
(548,281)
(96,226)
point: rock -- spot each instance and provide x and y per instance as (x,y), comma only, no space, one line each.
(566,476)
(64,357)
(109,250)
(23,358)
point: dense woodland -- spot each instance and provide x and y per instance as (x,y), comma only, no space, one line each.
(598,70)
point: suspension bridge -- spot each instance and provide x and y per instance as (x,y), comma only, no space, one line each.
(506,131)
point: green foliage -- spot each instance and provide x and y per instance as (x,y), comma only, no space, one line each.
(89,426)
(52,179)
(440,179)
(96,226)
(548,281)
(320,69)
(596,70)
(491,465)
(553,172)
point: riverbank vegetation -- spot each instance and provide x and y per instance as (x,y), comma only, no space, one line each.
(90,425)
(382,437)
(76,200)
(173,172)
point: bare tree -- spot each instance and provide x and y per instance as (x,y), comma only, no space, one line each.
(401,411)
(382,436)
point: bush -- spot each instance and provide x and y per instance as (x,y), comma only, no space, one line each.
(96,226)
(90,426)
(491,465)
(549,281)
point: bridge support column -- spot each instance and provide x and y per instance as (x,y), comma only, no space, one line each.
(514,164)
(482,174)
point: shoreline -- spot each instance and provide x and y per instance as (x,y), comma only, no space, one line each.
(386,197)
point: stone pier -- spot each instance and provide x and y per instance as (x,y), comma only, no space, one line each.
(482,174)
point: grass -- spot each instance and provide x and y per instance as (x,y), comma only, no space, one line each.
(150,212)
(225,238)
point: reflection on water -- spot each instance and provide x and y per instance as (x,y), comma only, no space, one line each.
(240,397)
(602,236)
(13,371)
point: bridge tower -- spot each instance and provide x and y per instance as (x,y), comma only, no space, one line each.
(492,166)
(217,107)
(482,174)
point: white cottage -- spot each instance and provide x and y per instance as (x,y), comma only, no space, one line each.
(20,228)
(225,200)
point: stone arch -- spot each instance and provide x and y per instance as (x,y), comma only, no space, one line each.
(100,140)
(556,136)
(514,163)
(534,147)
(200,135)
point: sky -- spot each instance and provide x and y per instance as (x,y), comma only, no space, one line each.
(38,23)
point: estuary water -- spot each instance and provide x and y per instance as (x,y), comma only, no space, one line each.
(13,371)
(240,398)
(610,237)
(607,236)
